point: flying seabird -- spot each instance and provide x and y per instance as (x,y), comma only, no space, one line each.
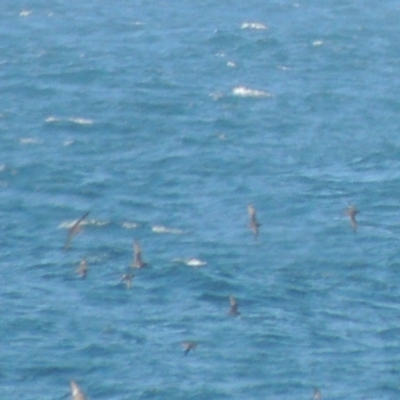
(234,310)
(352,212)
(253,223)
(76,392)
(137,260)
(127,279)
(188,346)
(317,394)
(74,230)
(83,269)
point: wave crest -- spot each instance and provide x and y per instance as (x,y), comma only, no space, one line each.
(243,91)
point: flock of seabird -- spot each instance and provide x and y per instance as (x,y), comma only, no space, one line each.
(188,346)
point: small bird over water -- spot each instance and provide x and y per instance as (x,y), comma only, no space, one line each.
(317,394)
(253,223)
(352,212)
(127,279)
(187,346)
(137,259)
(74,230)
(234,310)
(76,392)
(83,269)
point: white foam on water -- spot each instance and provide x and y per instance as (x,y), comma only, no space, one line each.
(81,121)
(28,141)
(284,68)
(216,95)
(317,43)
(129,225)
(96,222)
(195,262)
(191,262)
(231,64)
(253,25)
(164,229)
(52,119)
(78,120)
(92,222)
(243,91)
(25,13)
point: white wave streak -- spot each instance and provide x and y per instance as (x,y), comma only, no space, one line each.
(253,25)
(191,262)
(28,141)
(52,119)
(25,13)
(164,229)
(243,91)
(81,121)
(129,225)
(216,95)
(93,222)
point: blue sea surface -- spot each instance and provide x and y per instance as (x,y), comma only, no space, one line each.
(165,120)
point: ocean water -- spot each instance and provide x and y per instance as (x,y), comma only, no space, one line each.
(166,120)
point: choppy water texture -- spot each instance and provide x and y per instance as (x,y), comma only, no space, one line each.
(165,120)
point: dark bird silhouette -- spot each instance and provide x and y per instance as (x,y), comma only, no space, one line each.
(234,310)
(127,279)
(187,346)
(317,394)
(83,269)
(253,223)
(74,230)
(137,259)
(76,392)
(352,212)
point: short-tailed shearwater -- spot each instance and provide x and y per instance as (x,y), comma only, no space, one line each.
(317,394)
(74,230)
(127,279)
(188,346)
(352,212)
(234,310)
(76,392)
(137,259)
(253,223)
(83,269)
